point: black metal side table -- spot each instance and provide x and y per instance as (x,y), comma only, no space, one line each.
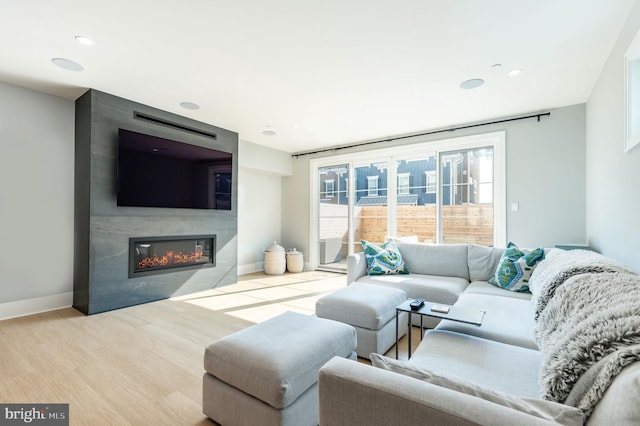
(454,313)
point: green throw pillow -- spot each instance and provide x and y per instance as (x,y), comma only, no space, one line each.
(515,268)
(384,259)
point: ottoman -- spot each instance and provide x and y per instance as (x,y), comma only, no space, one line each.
(371,310)
(267,374)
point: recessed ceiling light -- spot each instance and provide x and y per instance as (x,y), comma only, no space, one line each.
(471,83)
(67,64)
(189,105)
(514,72)
(269,133)
(295,126)
(84,40)
(496,66)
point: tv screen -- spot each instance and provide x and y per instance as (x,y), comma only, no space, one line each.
(157,172)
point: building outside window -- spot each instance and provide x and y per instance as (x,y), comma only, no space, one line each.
(403,183)
(430,181)
(372,186)
(329,188)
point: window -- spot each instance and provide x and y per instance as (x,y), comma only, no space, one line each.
(631,95)
(332,215)
(329,188)
(466,191)
(372,186)
(415,212)
(430,182)
(449,191)
(403,183)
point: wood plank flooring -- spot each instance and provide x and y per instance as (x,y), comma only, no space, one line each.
(143,365)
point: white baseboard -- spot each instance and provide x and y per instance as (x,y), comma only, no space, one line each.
(20,308)
(250,267)
(259,267)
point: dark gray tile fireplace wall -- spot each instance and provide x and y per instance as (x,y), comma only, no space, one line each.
(102,229)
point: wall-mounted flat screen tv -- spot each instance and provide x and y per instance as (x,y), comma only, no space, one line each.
(158,172)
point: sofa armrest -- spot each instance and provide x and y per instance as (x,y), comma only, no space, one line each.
(354,394)
(356,267)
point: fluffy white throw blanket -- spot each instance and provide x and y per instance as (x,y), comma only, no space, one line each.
(587,333)
(561,265)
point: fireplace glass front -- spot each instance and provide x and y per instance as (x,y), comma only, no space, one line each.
(153,255)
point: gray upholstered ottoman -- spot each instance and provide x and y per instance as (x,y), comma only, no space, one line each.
(267,374)
(371,309)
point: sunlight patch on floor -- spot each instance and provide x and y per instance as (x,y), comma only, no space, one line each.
(327,285)
(277,293)
(307,303)
(225,302)
(257,297)
(265,312)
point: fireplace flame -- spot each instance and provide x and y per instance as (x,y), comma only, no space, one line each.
(171,258)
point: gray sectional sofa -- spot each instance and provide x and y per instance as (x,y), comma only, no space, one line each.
(566,354)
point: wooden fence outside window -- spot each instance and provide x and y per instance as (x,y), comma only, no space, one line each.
(468,223)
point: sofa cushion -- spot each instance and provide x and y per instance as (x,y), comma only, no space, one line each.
(515,268)
(507,319)
(548,410)
(502,367)
(430,287)
(362,305)
(483,287)
(384,259)
(483,261)
(447,260)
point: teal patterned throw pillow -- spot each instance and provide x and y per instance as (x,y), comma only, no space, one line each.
(515,268)
(384,259)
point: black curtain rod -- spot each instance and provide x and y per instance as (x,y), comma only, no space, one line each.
(432,132)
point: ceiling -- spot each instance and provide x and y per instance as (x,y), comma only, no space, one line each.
(317,73)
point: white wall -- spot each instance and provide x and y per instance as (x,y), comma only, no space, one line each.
(259,202)
(36,201)
(613,176)
(545,174)
(264,159)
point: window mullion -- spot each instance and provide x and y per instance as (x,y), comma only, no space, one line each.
(351,232)
(392,197)
(438,199)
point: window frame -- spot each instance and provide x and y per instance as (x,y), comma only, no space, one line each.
(431,181)
(373,190)
(631,92)
(329,193)
(404,189)
(417,146)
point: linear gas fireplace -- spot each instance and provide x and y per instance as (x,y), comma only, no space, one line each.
(155,255)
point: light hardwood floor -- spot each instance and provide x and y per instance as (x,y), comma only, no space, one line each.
(143,365)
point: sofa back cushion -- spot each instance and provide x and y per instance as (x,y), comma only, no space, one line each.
(446,260)
(483,262)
